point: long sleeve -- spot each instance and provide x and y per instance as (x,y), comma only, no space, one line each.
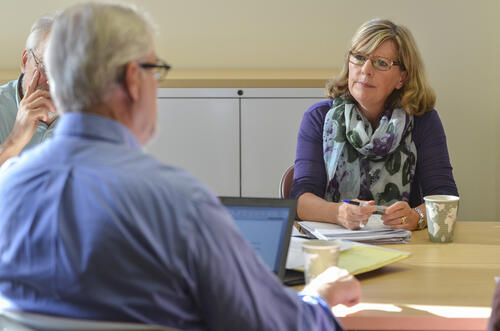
(309,172)
(433,174)
(235,289)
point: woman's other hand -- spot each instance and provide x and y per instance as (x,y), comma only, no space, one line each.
(400,215)
(352,216)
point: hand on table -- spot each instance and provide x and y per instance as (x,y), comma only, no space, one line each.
(336,286)
(400,215)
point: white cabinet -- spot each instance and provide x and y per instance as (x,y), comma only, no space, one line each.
(269,130)
(201,136)
(238,141)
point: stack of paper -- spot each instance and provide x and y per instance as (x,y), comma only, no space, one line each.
(374,232)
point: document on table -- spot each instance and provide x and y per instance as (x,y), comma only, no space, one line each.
(374,232)
(354,257)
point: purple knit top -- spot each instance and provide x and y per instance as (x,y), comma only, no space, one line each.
(433,174)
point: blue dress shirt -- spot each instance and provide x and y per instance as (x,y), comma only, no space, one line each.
(91,227)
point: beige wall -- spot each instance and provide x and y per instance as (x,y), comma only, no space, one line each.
(459,41)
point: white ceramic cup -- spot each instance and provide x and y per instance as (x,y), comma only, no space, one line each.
(319,255)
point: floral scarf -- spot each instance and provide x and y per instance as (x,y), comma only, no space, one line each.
(365,164)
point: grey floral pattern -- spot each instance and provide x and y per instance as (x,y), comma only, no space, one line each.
(365,163)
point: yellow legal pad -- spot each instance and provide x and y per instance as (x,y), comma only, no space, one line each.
(361,258)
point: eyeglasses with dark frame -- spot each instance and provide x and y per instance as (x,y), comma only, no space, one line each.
(380,63)
(160,69)
(38,63)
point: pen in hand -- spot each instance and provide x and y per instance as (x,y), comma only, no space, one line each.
(380,210)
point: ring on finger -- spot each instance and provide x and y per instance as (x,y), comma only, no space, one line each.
(403,220)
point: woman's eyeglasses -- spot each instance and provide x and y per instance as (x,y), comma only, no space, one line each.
(160,69)
(378,62)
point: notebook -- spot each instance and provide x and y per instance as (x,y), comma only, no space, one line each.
(266,223)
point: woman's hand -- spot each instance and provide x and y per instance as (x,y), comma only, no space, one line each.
(401,216)
(351,216)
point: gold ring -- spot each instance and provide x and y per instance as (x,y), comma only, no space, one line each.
(403,220)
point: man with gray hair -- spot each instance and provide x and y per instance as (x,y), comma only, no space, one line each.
(27,114)
(91,227)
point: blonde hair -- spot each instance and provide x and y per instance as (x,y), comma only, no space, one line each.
(416,96)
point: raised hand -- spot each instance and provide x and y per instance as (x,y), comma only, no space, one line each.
(35,106)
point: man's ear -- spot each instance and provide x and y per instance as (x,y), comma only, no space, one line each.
(132,80)
(24,60)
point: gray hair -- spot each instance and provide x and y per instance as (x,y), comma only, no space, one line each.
(90,45)
(39,31)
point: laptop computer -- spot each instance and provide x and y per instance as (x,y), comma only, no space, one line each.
(266,223)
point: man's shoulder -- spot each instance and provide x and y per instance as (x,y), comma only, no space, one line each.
(180,180)
(141,169)
(9,90)
(130,174)
(110,164)
(169,190)
(8,108)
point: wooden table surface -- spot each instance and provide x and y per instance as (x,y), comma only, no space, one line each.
(439,287)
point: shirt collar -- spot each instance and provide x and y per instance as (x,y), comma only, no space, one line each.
(19,89)
(95,127)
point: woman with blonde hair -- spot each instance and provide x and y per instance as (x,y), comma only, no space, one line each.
(378,140)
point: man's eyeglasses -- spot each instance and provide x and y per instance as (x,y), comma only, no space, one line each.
(160,69)
(39,63)
(378,62)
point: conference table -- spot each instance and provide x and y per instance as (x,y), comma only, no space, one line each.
(439,287)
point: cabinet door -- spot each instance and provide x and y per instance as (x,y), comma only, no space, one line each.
(200,135)
(269,130)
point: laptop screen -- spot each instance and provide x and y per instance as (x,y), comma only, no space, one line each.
(266,224)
